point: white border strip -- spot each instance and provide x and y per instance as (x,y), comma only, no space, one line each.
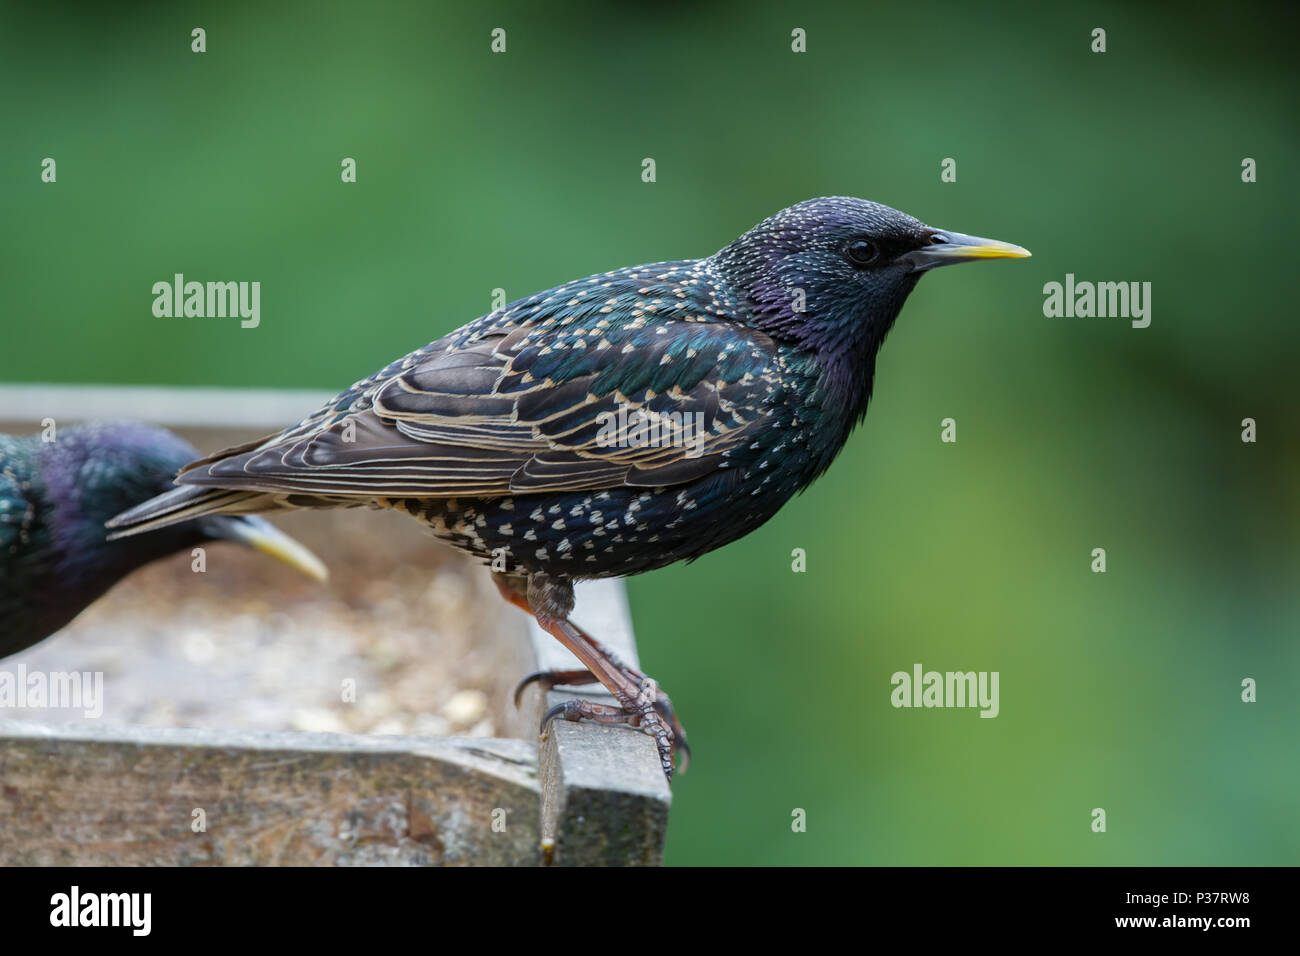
(163,405)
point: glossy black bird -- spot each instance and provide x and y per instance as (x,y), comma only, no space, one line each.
(612,425)
(54,500)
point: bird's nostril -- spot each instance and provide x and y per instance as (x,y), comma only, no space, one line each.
(938,239)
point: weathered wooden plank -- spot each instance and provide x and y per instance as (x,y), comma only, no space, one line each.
(86,794)
(25,405)
(605,800)
(132,796)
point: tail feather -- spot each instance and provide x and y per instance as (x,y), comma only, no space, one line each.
(227,453)
(183,503)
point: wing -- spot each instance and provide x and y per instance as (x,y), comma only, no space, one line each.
(583,394)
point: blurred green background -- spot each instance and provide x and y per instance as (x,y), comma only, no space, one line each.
(476,171)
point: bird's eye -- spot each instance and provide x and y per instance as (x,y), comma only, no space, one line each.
(861,252)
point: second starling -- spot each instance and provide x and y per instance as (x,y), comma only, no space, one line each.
(55,496)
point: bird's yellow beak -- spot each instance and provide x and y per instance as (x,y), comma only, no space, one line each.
(261,535)
(948,248)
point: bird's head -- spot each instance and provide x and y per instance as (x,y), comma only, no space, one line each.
(831,274)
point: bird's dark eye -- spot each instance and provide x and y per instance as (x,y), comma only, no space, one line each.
(861,252)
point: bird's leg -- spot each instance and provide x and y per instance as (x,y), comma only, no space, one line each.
(641,702)
(637,698)
(510,590)
(514,590)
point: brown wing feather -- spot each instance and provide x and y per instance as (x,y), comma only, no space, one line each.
(467,422)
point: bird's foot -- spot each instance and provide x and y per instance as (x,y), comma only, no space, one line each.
(548,679)
(649,709)
(632,711)
(641,702)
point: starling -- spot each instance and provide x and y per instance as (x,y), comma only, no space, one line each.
(54,500)
(611,425)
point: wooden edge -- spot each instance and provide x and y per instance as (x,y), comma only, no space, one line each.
(600,796)
(591,794)
(605,799)
(146,796)
(27,404)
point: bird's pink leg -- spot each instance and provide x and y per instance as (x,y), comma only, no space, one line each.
(641,703)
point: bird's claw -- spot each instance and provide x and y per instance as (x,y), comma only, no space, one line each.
(650,710)
(548,679)
(664,706)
